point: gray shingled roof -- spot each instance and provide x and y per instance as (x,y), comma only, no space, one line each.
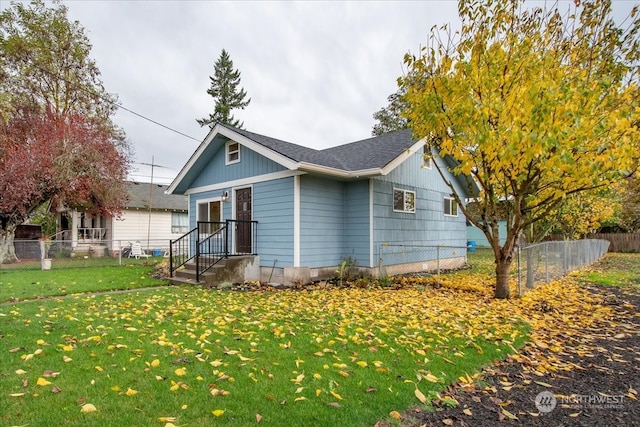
(370,153)
(139,197)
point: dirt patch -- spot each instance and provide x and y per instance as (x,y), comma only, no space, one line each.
(601,389)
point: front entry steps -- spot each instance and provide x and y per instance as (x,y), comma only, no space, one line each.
(237,269)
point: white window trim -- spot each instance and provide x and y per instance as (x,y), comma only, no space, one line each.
(427,158)
(404,196)
(227,153)
(452,202)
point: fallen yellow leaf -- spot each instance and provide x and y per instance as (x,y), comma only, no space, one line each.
(88,407)
(42,382)
(395,414)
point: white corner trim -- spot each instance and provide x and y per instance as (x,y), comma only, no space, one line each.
(372,262)
(296,221)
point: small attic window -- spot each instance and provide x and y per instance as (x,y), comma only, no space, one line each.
(426,157)
(232,151)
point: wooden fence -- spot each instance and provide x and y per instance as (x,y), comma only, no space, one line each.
(620,242)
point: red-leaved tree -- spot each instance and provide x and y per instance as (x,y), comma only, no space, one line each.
(57,140)
(62,158)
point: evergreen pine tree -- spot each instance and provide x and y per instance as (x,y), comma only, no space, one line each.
(224,89)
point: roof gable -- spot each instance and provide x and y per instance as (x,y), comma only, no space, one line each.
(368,157)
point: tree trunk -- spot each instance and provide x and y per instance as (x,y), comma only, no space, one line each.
(7,249)
(503,268)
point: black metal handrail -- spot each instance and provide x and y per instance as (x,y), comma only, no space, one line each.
(209,243)
(211,246)
(179,250)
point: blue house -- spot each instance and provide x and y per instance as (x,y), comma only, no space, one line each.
(376,205)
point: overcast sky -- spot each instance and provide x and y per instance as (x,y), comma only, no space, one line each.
(315,71)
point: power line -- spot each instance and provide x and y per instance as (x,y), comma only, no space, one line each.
(110,101)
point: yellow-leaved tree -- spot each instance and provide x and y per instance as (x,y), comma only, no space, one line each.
(534,105)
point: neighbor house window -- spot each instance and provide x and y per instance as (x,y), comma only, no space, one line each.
(450,206)
(426,157)
(232,152)
(404,201)
(179,222)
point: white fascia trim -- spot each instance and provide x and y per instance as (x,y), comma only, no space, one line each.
(340,173)
(371,260)
(217,129)
(296,221)
(244,181)
(258,148)
(404,156)
(196,154)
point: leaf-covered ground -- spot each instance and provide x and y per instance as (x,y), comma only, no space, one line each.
(328,356)
(585,350)
(190,356)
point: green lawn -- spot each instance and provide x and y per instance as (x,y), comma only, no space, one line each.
(18,285)
(196,357)
(191,356)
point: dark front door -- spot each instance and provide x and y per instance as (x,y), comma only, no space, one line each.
(243,218)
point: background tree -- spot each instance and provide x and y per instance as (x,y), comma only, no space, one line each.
(57,141)
(629,217)
(390,118)
(228,96)
(533,105)
(584,213)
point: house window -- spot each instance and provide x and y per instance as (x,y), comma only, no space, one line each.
(404,201)
(179,222)
(232,152)
(210,212)
(450,206)
(426,157)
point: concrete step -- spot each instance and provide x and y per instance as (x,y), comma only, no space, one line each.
(234,269)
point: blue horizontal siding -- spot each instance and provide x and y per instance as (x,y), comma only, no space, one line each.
(356,243)
(321,221)
(428,226)
(251,164)
(273,209)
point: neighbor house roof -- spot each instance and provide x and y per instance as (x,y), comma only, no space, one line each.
(139,194)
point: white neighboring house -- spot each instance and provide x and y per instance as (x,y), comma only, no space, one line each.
(150,217)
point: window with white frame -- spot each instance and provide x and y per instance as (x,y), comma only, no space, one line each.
(404,201)
(426,157)
(450,206)
(232,150)
(211,212)
(179,222)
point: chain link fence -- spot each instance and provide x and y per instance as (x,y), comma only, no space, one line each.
(548,261)
(397,259)
(57,254)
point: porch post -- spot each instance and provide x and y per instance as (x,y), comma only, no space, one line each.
(74,229)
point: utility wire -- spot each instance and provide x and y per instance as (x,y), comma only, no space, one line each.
(110,101)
